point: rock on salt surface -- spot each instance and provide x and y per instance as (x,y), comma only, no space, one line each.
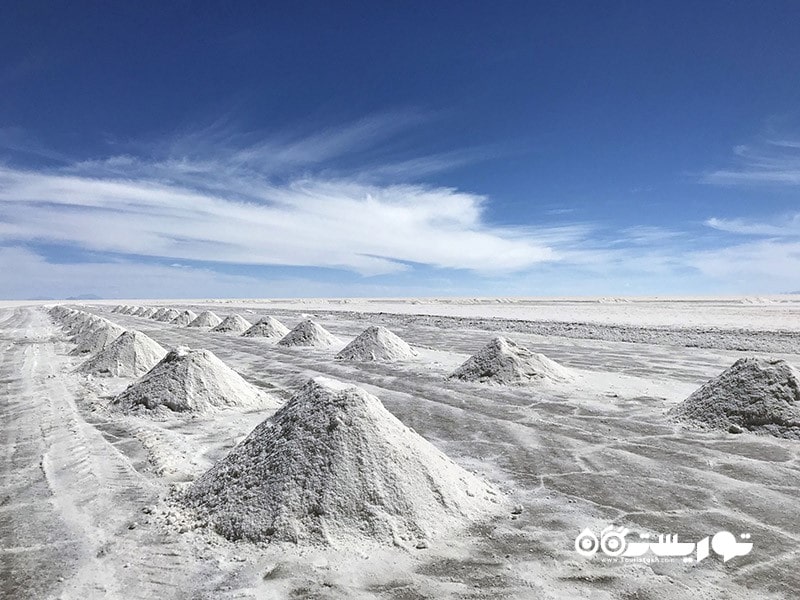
(377,343)
(193,381)
(184,318)
(754,394)
(267,327)
(309,333)
(333,466)
(205,319)
(233,324)
(132,354)
(504,362)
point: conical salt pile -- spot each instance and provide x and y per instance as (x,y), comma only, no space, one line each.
(98,338)
(148,312)
(377,343)
(309,333)
(192,381)
(138,311)
(754,394)
(233,324)
(159,313)
(504,362)
(132,354)
(334,466)
(206,319)
(86,323)
(168,315)
(184,318)
(268,327)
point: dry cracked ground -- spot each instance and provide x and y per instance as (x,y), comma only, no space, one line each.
(85,499)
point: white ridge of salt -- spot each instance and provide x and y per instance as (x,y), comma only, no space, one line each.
(754,394)
(233,324)
(377,343)
(132,354)
(191,381)
(334,467)
(205,319)
(268,327)
(98,338)
(184,318)
(503,362)
(309,333)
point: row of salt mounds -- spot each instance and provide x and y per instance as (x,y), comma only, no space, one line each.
(205,319)
(132,354)
(333,466)
(377,343)
(149,312)
(503,362)
(233,324)
(97,338)
(168,315)
(193,381)
(309,333)
(268,327)
(184,318)
(139,312)
(754,394)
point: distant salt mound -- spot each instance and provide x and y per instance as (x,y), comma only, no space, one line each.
(206,319)
(504,362)
(168,315)
(333,466)
(132,354)
(377,343)
(754,394)
(191,381)
(184,318)
(148,312)
(159,313)
(309,333)
(96,339)
(138,311)
(233,324)
(268,327)
(85,323)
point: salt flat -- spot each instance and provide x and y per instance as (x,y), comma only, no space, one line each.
(89,499)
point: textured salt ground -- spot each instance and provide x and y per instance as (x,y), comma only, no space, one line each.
(757,395)
(377,343)
(191,381)
(333,466)
(504,362)
(132,354)
(205,319)
(309,333)
(184,318)
(268,327)
(233,324)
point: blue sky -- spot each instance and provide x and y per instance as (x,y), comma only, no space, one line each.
(397,149)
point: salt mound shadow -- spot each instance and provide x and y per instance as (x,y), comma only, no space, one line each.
(132,354)
(184,318)
(754,394)
(377,343)
(309,333)
(267,327)
(504,362)
(334,466)
(193,381)
(233,324)
(205,319)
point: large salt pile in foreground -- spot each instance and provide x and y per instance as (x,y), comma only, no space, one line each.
(504,362)
(377,343)
(184,318)
(206,319)
(309,333)
(97,338)
(754,394)
(132,354)
(267,327)
(334,466)
(233,324)
(192,381)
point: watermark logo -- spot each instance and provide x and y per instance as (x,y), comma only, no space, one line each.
(613,543)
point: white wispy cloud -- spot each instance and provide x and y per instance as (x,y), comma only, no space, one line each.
(772,161)
(785,226)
